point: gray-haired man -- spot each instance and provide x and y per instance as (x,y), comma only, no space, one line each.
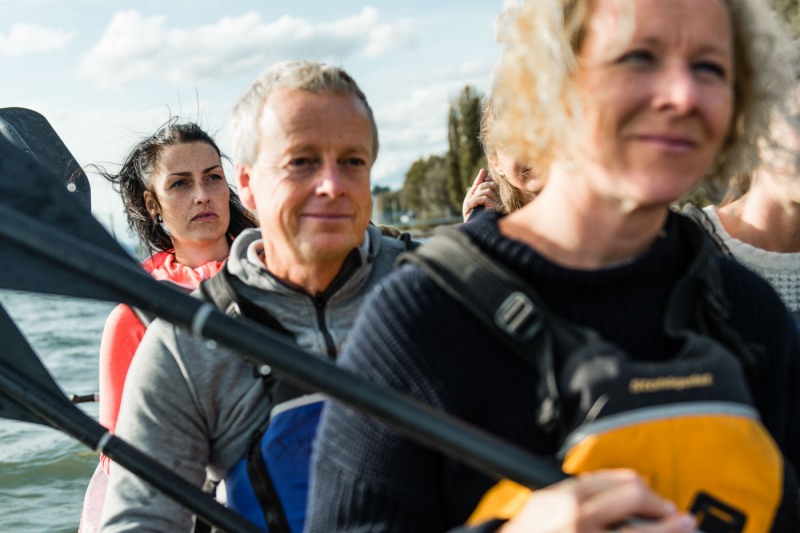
(304,140)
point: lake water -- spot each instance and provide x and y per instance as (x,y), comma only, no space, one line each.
(43,472)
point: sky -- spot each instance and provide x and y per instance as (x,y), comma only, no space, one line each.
(107,73)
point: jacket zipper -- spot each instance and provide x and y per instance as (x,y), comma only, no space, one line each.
(319,304)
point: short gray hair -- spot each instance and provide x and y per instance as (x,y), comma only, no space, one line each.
(308,76)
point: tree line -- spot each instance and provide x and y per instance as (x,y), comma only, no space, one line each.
(434,186)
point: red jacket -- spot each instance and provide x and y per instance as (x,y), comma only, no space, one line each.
(123,331)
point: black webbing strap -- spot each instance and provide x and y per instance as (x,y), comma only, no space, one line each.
(501,300)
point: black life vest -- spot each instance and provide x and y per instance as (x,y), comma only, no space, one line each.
(687,424)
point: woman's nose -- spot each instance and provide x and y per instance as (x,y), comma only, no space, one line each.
(202,195)
(676,89)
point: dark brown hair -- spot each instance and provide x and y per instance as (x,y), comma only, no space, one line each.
(136,174)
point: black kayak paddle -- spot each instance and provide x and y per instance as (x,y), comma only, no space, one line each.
(49,246)
(29,394)
(32,133)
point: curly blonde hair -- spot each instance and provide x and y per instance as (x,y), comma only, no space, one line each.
(789,113)
(511,196)
(536,99)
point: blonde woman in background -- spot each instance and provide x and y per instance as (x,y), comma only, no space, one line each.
(507,186)
(759,224)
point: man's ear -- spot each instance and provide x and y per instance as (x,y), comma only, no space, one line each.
(243,186)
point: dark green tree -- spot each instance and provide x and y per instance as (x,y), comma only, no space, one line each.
(453,157)
(464,153)
(379,189)
(469,127)
(413,185)
(425,189)
(435,194)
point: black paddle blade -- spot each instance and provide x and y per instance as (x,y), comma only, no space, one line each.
(31,132)
(38,213)
(29,394)
(16,353)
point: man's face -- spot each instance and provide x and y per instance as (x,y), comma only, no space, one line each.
(310,181)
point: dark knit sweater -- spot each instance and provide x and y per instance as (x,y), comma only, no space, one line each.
(411,336)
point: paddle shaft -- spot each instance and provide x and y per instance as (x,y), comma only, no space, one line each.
(260,346)
(57,412)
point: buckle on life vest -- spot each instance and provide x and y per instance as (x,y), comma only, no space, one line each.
(713,516)
(518,316)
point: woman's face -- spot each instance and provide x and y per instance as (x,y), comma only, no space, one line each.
(189,191)
(517,174)
(656,107)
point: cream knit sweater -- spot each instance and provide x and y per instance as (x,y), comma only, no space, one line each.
(782,270)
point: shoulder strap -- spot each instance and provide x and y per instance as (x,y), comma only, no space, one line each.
(704,277)
(409,242)
(505,303)
(220,291)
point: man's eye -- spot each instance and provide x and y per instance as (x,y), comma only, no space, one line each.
(300,162)
(355,162)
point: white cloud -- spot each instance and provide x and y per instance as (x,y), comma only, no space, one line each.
(24,39)
(384,37)
(416,126)
(135,47)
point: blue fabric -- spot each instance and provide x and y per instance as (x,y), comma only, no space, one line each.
(285,447)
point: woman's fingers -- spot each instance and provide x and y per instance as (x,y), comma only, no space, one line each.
(677,523)
(467,204)
(609,500)
(621,500)
(480,178)
(481,193)
(487,196)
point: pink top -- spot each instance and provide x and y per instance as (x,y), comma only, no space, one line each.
(123,331)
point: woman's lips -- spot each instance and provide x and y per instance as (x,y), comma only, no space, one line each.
(668,142)
(204,216)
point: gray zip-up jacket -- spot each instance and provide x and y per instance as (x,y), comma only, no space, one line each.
(194,406)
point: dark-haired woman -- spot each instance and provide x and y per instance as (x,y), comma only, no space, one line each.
(181,208)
